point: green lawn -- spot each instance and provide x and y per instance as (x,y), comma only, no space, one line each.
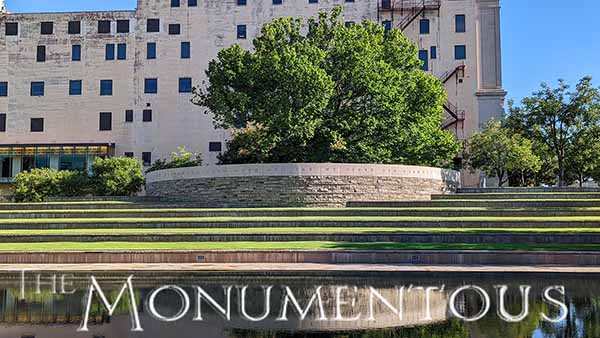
(303,230)
(129,246)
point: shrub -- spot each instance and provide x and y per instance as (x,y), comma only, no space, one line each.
(36,184)
(118,176)
(180,159)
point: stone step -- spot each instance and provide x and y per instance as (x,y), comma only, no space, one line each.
(93,205)
(237,224)
(526,190)
(349,212)
(402,237)
(504,204)
(518,196)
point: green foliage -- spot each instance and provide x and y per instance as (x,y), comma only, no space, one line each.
(336,94)
(180,159)
(498,151)
(118,176)
(36,184)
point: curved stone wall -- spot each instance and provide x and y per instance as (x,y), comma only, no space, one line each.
(303,184)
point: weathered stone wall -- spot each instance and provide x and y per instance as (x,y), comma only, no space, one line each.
(321,185)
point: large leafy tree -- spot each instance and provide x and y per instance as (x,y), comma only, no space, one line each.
(559,118)
(330,93)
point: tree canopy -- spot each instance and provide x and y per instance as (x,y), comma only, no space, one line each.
(327,92)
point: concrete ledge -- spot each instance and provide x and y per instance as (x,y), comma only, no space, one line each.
(526,190)
(496,258)
(299,184)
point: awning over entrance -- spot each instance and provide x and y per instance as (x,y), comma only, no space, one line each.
(97,149)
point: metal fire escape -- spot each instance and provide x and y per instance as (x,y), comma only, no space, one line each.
(409,11)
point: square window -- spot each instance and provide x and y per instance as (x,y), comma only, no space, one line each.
(147,159)
(129,116)
(192,3)
(153,25)
(186,50)
(76,53)
(241,31)
(122,26)
(106,87)
(424,57)
(75,87)
(47,28)
(128,154)
(105,121)
(41,54)
(185,85)
(147,115)
(460,52)
(122,51)
(174,29)
(215,147)
(241,2)
(460,23)
(110,51)
(151,50)
(386,4)
(11,28)
(3,124)
(175,3)
(37,125)
(37,88)
(3,89)
(151,86)
(74,27)
(424,26)
(104,26)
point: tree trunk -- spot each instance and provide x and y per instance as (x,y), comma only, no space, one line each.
(580,180)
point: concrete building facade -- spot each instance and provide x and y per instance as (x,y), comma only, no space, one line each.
(81,84)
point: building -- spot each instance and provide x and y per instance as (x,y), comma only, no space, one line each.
(82,84)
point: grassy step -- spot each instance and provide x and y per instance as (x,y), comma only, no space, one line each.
(479,203)
(294,212)
(519,196)
(307,245)
(91,205)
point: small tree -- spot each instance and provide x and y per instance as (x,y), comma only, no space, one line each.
(583,162)
(118,176)
(179,159)
(497,152)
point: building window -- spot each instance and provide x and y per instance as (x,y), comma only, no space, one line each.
(153,25)
(277,2)
(37,125)
(241,31)
(41,54)
(348,24)
(11,28)
(151,86)
(37,88)
(186,50)
(424,57)
(151,50)
(185,85)
(33,162)
(215,147)
(424,26)
(129,154)
(147,115)
(104,26)
(387,25)
(122,26)
(147,159)
(129,115)
(433,52)
(110,51)
(460,52)
(313,1)
(3,122)
(122,51)
(461,25)
(74,27)
(75,87)
(174,29)
(72,162)
(241,2)
(76,53)
(105,121)
(106,87)
(47,28)
(3,89)
(192,3)
(175,3)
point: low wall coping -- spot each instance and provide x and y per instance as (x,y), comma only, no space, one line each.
(304,169)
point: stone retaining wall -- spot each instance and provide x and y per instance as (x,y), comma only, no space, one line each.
(322,185)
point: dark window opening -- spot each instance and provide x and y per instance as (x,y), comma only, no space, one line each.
(41,54)
(147,158)
(122,26)
(215,147)
(47,28)
(174,29)
(74,27)
(37,125)
(104,26)
(147,115)
(129,116)
(12,28)
(153,25)
(105,121)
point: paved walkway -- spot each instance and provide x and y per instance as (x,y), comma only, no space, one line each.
(291,268)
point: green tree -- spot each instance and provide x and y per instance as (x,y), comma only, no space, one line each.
(179,159)
(118,176)
(334,94)
(583,161)
(558,118)
(497,151)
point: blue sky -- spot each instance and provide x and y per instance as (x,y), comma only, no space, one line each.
(542,40)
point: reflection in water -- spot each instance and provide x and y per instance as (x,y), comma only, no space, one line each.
(50,315)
